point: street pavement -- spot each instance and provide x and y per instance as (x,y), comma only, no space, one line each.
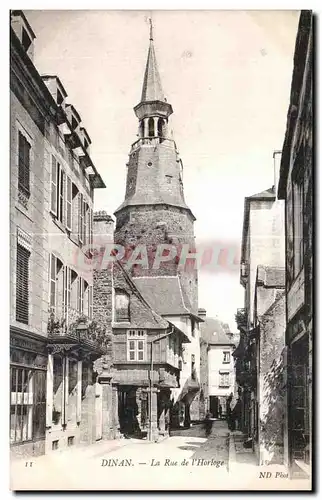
(189,461)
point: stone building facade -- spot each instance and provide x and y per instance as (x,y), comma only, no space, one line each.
(296,188)
(144,358)
(262,244)
(219,365)
(155,219)
(267,347)
(51,195)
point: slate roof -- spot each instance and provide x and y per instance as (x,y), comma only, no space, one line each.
(143,315)
(213,332)
(164,294)
(267,193)
(152,88)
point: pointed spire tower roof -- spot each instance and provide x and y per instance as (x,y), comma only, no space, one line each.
(152,96)
(152,88)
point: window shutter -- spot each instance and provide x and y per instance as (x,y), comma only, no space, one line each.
(53,274)
(90,302)
(91,226)
(78,293)
(80,212)
(69,286)
(22,285)
(82,295)
(24,165)
(61,211)
(85,214)
(68,203)
(64,269)
(54,176)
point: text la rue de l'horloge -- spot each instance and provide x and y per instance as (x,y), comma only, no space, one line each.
(167,462)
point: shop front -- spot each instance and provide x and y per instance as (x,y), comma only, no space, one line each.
(74,410)
(28,366)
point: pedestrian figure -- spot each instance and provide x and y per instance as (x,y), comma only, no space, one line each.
(228,411)
(208,424)
(220,411)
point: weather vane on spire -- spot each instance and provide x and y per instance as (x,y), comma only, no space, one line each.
(151,28)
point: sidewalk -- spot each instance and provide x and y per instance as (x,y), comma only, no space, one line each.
(245,470)
(83,450)
(240,458)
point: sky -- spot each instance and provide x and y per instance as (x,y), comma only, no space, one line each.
(227,75)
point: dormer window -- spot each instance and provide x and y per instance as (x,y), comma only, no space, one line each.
(74,123)
(26,41)
(23,31)
(60,98)
(122,306)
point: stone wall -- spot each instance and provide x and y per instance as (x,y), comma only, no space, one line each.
(32,220)
(272,409)
(154,225)
(203,396)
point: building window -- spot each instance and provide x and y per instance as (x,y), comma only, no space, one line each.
(90,302)
(86,224)
(82,289)
(53,277)
(24,166)
(151,127)
(298,204)
(224,379)
(226,357)
(22,284)
(75,214)
(193,367)
(160,127)
(169,178)
(122,306)
(59,275)
(83,215)
(136,345)
(57,190)
(171,349)
(27,404)
(69,200)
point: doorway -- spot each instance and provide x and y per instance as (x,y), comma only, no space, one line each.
(128,411)
(214,406)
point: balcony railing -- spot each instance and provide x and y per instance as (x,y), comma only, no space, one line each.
(77,327)
(152,141)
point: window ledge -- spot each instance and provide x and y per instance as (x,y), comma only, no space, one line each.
(23,211)
(58,223)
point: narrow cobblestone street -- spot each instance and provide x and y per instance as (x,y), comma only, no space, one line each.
(186,461)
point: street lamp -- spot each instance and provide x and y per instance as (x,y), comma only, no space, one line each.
(151,377)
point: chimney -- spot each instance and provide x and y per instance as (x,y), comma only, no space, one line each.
(103,229)
(277,162)
(202,313)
